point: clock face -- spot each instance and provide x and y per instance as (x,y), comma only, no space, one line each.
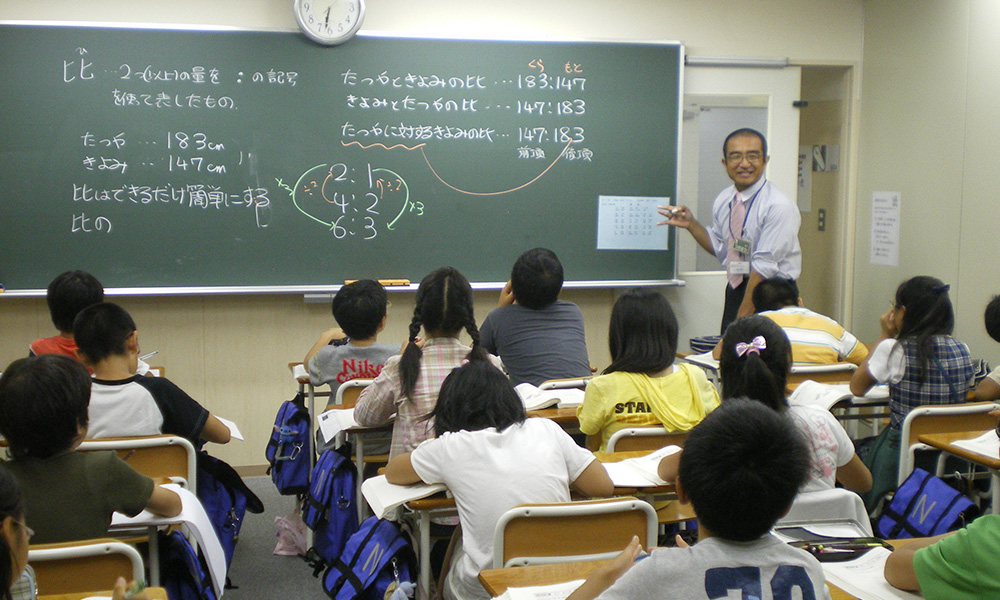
(330,21)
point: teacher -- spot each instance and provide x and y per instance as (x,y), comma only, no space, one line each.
(755,227)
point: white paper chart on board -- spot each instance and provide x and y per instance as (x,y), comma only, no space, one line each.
(629,223)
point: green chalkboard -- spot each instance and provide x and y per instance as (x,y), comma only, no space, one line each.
(215,159)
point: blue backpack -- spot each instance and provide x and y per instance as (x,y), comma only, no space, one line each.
(923,506)
(288,449)
(329,508)
(376,562)
(182,572)
(226,499)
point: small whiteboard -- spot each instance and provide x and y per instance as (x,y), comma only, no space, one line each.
(629,223)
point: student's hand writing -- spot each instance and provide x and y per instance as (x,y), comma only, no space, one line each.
(679,216)
(506,295)
(624,561)
(119,592)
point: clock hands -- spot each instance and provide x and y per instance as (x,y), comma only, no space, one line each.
(327,22)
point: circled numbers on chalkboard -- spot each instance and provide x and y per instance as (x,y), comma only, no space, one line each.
(350,202)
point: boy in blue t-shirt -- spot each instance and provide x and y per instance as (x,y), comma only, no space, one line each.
(741,468)
(352,351)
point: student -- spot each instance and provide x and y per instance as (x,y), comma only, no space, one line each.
(17,578)
(643,387)
(922,364)
(989,388)
(816,339)
(408,385)
(741,469)
(123,403)
(537,336)
(352,351)
(69,495)
(67,295)
(492,458)
(959,565)
(756,357)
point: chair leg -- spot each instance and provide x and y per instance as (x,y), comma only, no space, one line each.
(456,538)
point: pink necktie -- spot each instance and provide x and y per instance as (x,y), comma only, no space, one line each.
(737,213)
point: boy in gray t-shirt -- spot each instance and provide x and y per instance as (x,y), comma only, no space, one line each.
(741,468)
(351,351)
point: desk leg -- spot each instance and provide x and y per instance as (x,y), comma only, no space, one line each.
(424,584)
(359,461)
(995,484)
(154,557)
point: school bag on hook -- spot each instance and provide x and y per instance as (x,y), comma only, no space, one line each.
(288,449)
(376,563)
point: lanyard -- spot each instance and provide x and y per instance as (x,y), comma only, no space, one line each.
(746,215)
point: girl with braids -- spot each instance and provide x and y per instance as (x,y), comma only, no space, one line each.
(408,384)
(920,361)
(755,361)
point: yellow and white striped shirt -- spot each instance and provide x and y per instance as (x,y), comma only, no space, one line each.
(817,339)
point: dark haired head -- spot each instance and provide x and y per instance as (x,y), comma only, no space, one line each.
(101,330)
(536,278)
(70,293)
(741,468)
(642,335)
(476,396)
(43,403)
(11,505)
(743,132)
(928,313)
(443,307)
(992,318)
(359,307)
(754,372)
(775,293)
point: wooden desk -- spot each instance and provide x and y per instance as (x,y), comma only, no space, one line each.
(944,442)
(496,581)
(153,593)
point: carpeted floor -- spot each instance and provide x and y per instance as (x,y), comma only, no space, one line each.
(256,572)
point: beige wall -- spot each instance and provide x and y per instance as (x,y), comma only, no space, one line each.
(231,352)
(930,130)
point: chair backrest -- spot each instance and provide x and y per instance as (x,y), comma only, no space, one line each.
(349,391)
(949,418)
(837,504)
(644,438)
(571,531)
(83,566)
(578,383)
(833,373)
(154,456)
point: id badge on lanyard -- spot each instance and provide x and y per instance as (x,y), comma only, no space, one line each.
(740,243)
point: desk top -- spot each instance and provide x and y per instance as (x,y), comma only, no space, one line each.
(562,416)
(153,593)
(496,581)
(943,441)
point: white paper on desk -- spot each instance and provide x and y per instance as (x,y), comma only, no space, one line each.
(823,395)
(705,361)
(863,577)
(299,371)
(987,444)
(640,471)
(383,497)
(555,591)
(194,516)
(234,431)
(335,420)
(534,398)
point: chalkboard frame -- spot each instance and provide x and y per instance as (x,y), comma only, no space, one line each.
(324,290)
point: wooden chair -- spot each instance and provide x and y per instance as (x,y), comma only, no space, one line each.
(644,438)
(654,438)
(83,566)
(349,392)
(571,531)
(948,418)
(833,373)
(156,456)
